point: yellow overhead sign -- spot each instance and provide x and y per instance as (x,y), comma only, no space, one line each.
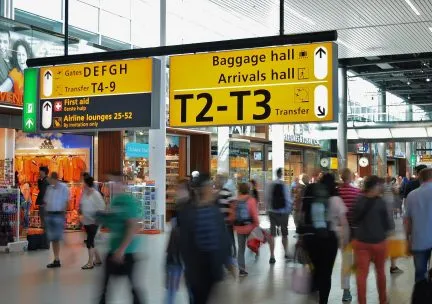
(284,84)
(96,79)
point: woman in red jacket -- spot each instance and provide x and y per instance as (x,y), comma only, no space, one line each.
(244,216)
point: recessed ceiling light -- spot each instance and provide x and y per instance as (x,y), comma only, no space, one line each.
(416,11)
(428,79)
(409,83)
(409,97)
(430,28)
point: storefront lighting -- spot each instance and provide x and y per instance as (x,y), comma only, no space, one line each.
(374,133)
(408,132)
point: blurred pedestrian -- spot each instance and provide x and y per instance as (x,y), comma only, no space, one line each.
(371,222)
(389,198)
(418,224)
(414,183)
(298,193)
(324,213)
(91,203)
(244,217)
(43,184)
(204,242)
(254,190)
(225,199)
(55,199)
(124,244)
(349,195)
(279,204)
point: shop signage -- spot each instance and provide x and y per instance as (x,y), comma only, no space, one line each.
(101,95)
(363,148)
(288,84)
(295,138)
(137,150)
(426,158)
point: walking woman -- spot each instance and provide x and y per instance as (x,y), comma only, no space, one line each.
(371,222)
(323,214)
(91,203)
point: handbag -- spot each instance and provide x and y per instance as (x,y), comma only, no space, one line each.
(301,275)
(397,248)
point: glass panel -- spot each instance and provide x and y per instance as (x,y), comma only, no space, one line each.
(46,8)
(145,23)
(114,26)
(114,6)
(293,165)
(83,16)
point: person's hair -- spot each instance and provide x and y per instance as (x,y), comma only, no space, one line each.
(346,175)
(253,182)
(44,169)
(371,182)
(54,175)
(26,46)
(279,173)
(425,175)
(85,174)
(328,180)
(89,181)
(419,168)
(243,188)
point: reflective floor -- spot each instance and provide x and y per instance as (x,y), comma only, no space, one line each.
(24,279)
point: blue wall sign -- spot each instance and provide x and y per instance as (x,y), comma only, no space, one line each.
(137,150)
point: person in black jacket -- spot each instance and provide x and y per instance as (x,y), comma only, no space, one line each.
(415,182)
(42,186)
(204,243)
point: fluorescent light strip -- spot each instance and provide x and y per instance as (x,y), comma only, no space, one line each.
(297,14)
(11,107)
(430,28)
(348,46)
(413,7)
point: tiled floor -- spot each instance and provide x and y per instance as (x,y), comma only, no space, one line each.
(24,279)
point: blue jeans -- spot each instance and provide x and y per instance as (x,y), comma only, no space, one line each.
(421,262)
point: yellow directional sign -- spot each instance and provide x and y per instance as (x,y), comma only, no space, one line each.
(96,79)
(286,84)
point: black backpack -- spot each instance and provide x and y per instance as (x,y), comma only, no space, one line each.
(278,196)
(242,214)
(316,209)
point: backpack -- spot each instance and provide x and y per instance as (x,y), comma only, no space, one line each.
(316,208)
(242,215)
(278,196)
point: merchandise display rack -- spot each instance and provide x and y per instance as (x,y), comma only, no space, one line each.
(172,176)
(10,221)
(6,173)
(146,198)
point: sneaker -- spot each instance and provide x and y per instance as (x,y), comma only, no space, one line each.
(243,273)
(346,296)
(55,264)
(396,270)
(272,260)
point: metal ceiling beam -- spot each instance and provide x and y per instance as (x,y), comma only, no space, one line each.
(392,71)
(361,61)
(192,48)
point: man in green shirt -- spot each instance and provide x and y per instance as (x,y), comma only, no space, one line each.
(121,221)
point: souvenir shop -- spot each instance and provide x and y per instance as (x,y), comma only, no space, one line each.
(68,155)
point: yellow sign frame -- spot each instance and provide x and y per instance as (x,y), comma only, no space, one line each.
(256,86)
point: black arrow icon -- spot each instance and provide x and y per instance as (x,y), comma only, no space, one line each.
(47,106)
(47,75)
(320,52)
(321,111)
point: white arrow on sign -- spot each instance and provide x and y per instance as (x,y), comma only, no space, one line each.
(321,101)
(29,123)
(46,114)
(320,62)
(47,83)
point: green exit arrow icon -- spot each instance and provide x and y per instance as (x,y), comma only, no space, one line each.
(29,123)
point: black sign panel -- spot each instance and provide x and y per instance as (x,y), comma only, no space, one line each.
(96,112)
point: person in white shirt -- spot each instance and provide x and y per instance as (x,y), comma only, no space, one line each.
(91,203)
(55,202)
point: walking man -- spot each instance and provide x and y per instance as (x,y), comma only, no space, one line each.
(43,185)
(418,224)
(349,195)
(279,204)
(56,199)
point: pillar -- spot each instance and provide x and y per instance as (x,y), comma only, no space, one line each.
(278,148)
(382,105)
(382,159)
(157,137)
(223,150)
(342,141)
